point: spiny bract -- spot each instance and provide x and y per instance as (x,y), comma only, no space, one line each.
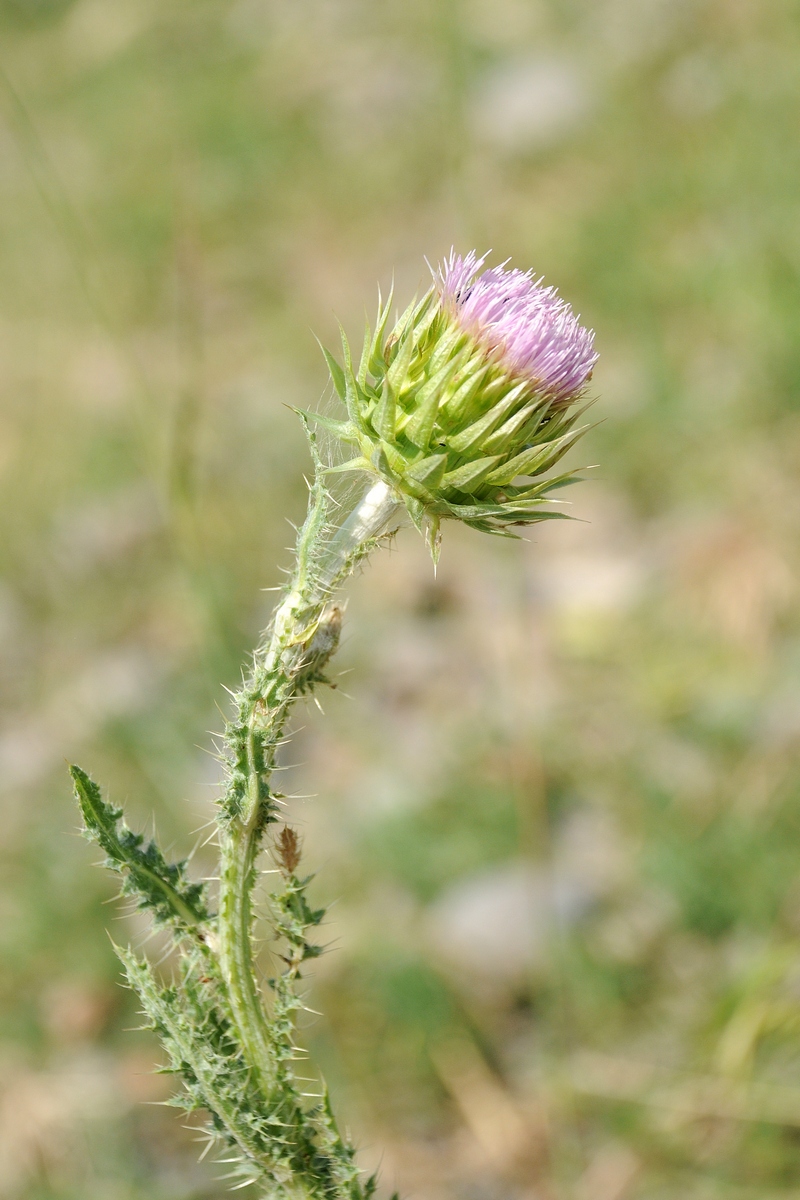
(469,400)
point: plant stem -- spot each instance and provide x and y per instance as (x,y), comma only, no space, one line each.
(302,637)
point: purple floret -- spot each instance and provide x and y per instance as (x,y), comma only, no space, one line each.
(534,333)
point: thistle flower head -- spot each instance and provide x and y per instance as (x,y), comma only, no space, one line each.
(532,331)
(469,400)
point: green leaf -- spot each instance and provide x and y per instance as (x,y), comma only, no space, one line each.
(419,426)
(471,475)
(545,486)
(416,510)
(398,464)
(536,459)
(515,431)
(364,362)
(458,405)
(506,512)
(398,371)
(343,430)
(474,434)
(352,393)
(353,464)
(336,373)
(160,886)
(446,348)
(376,361)
(428,471)
(383,419)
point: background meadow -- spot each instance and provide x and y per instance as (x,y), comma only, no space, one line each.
(557,794)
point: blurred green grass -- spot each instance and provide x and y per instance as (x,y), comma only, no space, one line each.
(561,809)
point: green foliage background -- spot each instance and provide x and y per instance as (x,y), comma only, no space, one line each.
(561,811)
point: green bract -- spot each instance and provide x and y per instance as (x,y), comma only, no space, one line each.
(435,414)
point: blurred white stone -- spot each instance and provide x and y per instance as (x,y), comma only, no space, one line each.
(496,925)
(531,103)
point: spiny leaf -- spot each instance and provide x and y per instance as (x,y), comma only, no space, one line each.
(397,372)
(376,364)
(478,430)
(160,886)
(343,430)
(419,427)
(351,388)
(471,475)
(536,459)
(428,471)
(518,426)
(361,374)
(336,372)
(383,418)
(352,464)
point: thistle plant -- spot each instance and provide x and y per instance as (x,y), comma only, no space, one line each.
(458,412)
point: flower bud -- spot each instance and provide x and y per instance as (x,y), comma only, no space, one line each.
(469,400)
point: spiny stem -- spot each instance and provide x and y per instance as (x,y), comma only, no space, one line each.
(302,638)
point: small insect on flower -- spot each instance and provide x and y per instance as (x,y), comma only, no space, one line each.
(470,399)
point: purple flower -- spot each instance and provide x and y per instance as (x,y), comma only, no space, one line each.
(531,330)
